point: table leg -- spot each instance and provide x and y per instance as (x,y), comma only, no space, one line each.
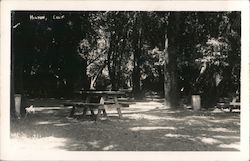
(84,111)
(103,107)
(98,114)
(87,108)
(92,112)
(118,108)
(72,112)
(104,111)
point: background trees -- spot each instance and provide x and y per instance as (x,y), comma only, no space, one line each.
(176,53)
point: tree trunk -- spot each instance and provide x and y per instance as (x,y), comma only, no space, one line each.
(136,71)
(210,93)
(112,71)
(173,50)
(93,79)
(137,45)
(84,77)
(12,90)
(112,62)
(170,66)
(167,79)
(17,62)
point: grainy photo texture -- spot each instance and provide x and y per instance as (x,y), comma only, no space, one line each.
(125,81)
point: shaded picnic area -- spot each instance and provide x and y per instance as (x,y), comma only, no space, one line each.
(145,126)
(125,81)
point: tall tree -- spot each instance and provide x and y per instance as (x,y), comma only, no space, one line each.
(171,52)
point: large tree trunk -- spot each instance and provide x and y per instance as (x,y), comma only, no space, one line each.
(136,82)
(112,69)
(167,82)
(210,92)
(113,61)
(170,66)
(12,90)
(136,71)
(137,45)
(17,62)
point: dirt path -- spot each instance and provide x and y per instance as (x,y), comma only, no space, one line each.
(145,126)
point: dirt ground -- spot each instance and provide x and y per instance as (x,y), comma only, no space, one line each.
(145,126)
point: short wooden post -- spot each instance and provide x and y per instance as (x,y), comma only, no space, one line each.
(196,102)
(118,108)
(18,101)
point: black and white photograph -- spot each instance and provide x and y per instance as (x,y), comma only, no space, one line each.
(117,80)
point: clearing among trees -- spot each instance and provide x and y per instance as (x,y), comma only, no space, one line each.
(145,126)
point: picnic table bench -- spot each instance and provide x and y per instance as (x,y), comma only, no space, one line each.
(101,106)
(226,103)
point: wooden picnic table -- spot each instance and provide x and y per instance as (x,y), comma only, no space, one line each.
(231,104)
(86,103)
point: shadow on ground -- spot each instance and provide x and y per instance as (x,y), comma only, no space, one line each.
(145,126)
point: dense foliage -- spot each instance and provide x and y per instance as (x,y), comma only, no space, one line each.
(55,53)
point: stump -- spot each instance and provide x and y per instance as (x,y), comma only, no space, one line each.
(18,99)
(196,102)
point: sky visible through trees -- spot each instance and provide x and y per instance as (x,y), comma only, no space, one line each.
(175,54)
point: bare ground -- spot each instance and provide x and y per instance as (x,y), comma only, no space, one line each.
(145,126)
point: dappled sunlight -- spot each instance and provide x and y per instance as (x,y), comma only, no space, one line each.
(62,124)
(176,135)
(169,111)
(220,129)
(229,120)
(144,126)
(37,108)
(109,147)
(86,122)
(46,122)
(226,137)
(149,103)
(167,118)
(76,146)
(38,144)
(235,145)
(195,122)
(181,136)
(133,110)
(94,144)
(215,121)
(152,128)
(198,117)
(209,140)
(72,120)
(143,116)
(146,105)
(226,120)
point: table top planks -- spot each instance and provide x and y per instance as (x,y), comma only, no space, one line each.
(93,92)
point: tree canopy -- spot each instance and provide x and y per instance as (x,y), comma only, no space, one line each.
(179,53)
